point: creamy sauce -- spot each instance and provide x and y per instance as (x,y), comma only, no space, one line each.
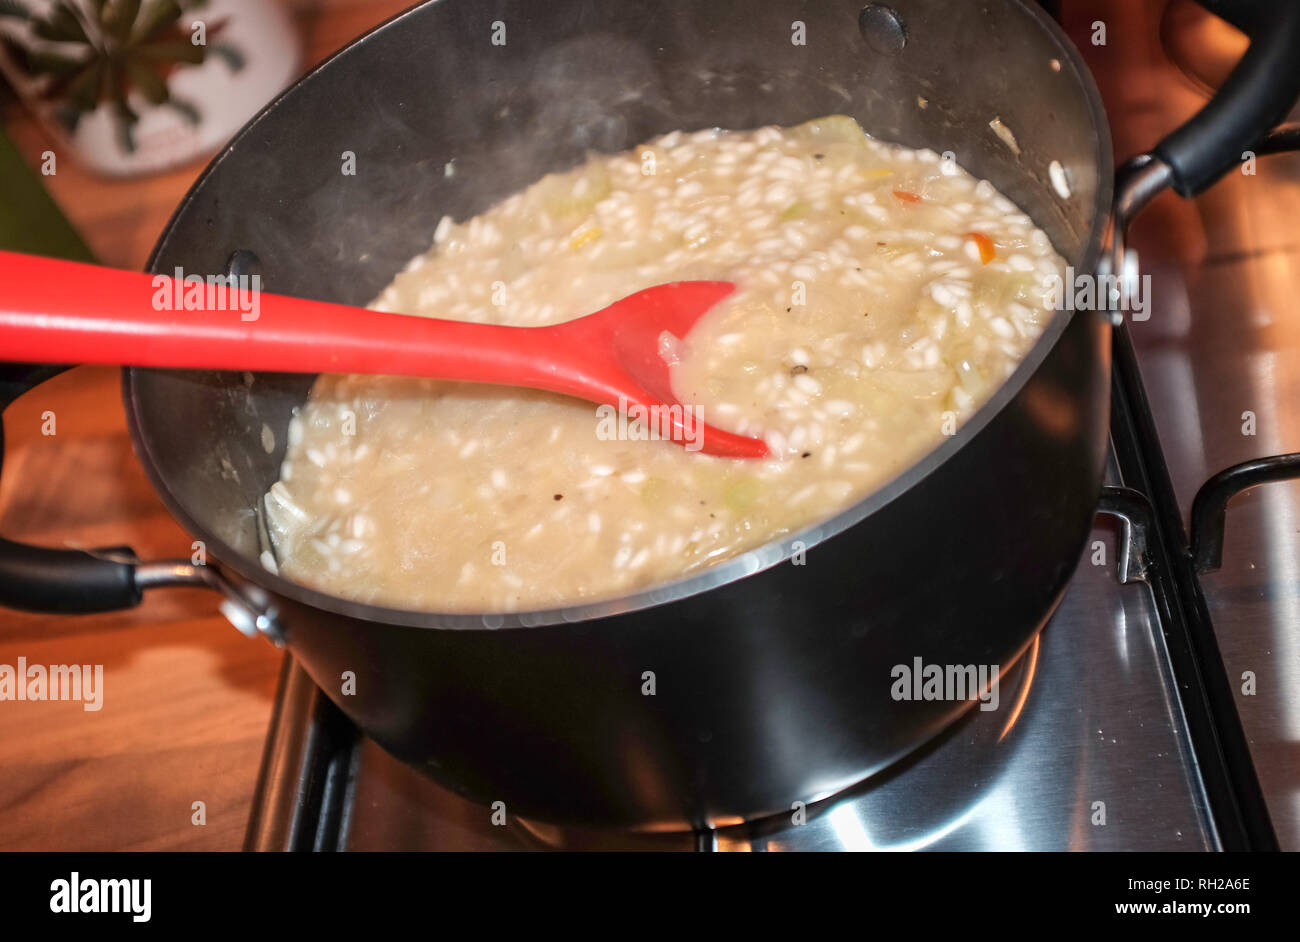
(883,294)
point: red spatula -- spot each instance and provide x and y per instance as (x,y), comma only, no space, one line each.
(63,312)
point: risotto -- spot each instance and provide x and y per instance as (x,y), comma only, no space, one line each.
(882,294)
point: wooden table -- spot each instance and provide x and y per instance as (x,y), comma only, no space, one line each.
(186,698)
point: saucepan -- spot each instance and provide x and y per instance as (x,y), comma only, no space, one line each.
(744,689)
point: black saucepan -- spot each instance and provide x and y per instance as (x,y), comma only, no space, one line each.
(756,684)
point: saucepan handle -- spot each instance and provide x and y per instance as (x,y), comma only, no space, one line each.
(70,582)
(41,579)
(1257,94)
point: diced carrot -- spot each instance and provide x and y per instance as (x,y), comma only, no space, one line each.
(987,251)
(907,197)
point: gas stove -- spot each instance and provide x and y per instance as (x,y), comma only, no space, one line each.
(1160,707)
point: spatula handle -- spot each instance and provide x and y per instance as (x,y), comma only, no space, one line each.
(55,311)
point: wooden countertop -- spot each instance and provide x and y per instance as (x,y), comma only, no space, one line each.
(186,698)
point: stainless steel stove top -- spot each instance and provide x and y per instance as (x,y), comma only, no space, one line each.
(1223,340)
(1221,358)
(1109,734)
(1087,751)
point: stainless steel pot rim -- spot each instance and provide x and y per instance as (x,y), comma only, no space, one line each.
(753,561)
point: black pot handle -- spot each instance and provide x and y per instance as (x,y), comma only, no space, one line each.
(73,582)
(77,582)
(40,579)
(1259,92)
(68,582)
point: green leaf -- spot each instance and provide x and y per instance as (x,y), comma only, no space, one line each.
(158,18)
(171,50)
(112,90)
(126,134)
(147,80)
(125,112)
(14,9)
(61,24)
(123,117)
(17,54)
(35,62)
(228,54)
(69,117)
(82,93)
(119,16)
(186,110)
